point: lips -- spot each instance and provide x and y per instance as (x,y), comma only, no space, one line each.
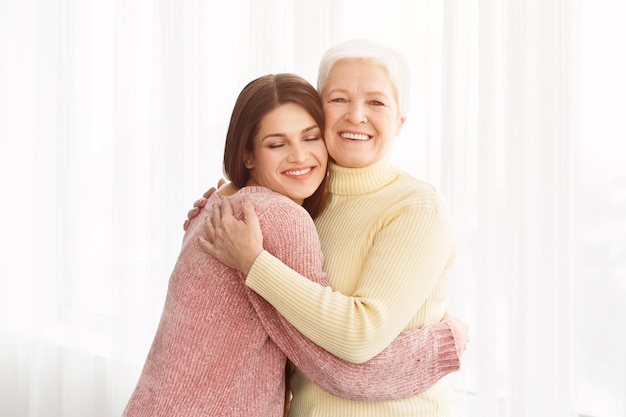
(354,136)
(298,172)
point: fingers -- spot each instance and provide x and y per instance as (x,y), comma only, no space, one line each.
(193,213)
(208,193)
(227,208)
(249,214)
(204,244)
(216,216)
(221,182)
(200,203)
(219,213)
(197,206)
(190,215)
(209,228)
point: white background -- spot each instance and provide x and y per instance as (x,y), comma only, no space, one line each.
(112,120)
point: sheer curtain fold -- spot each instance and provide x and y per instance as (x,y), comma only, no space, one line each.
(112,120)
(510,78)
(539,128)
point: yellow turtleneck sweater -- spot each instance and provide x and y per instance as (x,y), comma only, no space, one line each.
(387,240)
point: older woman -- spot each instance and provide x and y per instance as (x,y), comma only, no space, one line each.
(386,237)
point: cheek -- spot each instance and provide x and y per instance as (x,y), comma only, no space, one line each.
(389,128)
(264,164)
(322,152)
(331,115)
(330,140)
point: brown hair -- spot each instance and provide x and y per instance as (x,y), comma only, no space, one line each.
(258,98)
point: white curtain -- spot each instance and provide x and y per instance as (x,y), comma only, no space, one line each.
(112,120)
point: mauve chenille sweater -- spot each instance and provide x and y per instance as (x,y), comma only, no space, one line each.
(220,349)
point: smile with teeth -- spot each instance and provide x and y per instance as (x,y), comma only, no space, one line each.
(298,172)
(354,136)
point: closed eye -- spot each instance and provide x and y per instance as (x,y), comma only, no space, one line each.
(310,138)
(275,145)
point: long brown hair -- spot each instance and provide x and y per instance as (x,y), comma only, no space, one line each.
(258,98)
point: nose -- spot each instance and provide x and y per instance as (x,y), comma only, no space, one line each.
(298,153)
(356,113)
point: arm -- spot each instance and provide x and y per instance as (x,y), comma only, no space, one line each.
(392,285)
(388,293)
(413,362)
(410,365)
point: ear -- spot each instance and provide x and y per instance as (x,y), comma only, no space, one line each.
(248,160)
(400,125)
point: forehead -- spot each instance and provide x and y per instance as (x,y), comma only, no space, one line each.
(358,74)
(286,119)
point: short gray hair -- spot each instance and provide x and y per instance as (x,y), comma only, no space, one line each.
(389,58)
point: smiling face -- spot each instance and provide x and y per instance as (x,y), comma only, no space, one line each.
(289,155)
(361,111)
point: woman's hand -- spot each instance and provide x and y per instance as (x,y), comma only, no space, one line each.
(459,330)
(235,243)
(199,204)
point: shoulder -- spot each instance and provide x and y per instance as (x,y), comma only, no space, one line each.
(413,192)
(267,202)
(419,202)
(288,229)
(273,209)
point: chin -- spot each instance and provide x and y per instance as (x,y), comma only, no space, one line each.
(352,163)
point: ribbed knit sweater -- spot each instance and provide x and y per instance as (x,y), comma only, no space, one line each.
(219,349)
(388,243)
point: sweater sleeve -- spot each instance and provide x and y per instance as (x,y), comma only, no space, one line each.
(411,364)
(400,271)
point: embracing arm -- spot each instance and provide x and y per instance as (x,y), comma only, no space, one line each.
(359,326)
(413,362)
(410,365)
(355,327)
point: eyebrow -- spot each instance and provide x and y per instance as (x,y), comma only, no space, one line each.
(282,135)
(375,93)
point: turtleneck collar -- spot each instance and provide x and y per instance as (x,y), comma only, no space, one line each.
(354,181)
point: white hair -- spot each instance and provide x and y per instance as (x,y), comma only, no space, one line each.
(389,58)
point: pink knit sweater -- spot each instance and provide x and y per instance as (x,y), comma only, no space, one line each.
(221,350)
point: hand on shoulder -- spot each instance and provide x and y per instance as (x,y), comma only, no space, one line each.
(223,189)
